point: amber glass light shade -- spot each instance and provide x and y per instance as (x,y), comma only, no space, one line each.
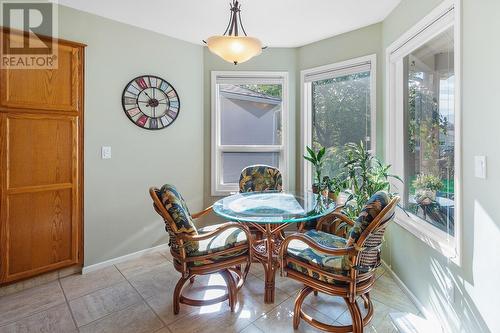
(235,49)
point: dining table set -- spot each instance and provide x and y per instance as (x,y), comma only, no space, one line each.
(271,213)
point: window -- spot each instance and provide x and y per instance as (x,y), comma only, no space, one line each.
(423,138)
(338,108)
(249,113)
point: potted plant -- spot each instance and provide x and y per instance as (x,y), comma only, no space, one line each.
(362,175)
(335,185)
(316,159)
(426,187)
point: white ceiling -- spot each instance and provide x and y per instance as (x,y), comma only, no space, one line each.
(278,23)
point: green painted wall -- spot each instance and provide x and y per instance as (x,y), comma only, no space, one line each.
(119,218)
(476,304)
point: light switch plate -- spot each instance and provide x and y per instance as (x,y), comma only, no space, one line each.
(480,167)
(105,152)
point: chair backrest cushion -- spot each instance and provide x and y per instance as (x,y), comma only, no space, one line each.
(260,178)
(372,208)
(176,206)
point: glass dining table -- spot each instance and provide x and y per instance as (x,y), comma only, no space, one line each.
(271,213)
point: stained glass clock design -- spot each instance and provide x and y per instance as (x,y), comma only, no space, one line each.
(150,102)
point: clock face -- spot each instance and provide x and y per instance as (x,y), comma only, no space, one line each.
(150,102)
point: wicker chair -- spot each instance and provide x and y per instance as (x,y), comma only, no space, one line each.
(338,266)
(260,178)
(221,248)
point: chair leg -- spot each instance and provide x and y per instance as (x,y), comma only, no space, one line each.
(315,293)
(357,319)
(298,305)
(191,280)
(231,288)
(366,300)
(177,293)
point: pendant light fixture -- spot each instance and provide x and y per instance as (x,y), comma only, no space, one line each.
(231,46)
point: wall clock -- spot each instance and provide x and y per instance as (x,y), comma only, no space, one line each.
(150,102)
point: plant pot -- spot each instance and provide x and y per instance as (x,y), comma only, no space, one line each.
(425,197)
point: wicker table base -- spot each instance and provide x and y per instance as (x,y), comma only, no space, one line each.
(266,252)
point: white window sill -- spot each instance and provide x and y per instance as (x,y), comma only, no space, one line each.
(430,235)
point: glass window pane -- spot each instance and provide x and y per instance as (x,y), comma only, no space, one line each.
(234,163)
(250,114)
(340,114)
(430,126)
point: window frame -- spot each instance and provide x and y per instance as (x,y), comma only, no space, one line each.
(306,107)
(218,188)
(443,17)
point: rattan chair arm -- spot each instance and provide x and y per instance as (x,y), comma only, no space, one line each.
(210,234)
(327,217)
(342,217)
(350,250)
(203,212)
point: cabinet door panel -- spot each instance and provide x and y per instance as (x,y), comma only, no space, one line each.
(39,231)
(41,150)
(44,89)
(39,205)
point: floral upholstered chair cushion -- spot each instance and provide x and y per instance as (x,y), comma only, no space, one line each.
(229,238)
(333,264)
(372,208)
(176,206)
(260,178)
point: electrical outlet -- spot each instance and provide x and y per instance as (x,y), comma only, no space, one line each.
(105,152)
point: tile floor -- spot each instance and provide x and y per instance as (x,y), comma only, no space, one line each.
(136,296)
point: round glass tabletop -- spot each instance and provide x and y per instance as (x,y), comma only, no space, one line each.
(273,207)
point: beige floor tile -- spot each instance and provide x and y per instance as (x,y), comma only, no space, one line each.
(254,288)
(380,322)
(289,286)
(142,264)
(214,319)
(257,269)
(163,330)
(387,291)
(82,284)
(29,283)
(331,306)
(380,271)
(100,303)
(251,329)
(166,253)
(27,302)
(159,281)
(138,318)
(280,319)
(162,305)
(54,320)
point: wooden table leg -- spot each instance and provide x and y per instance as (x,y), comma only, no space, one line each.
(269,277)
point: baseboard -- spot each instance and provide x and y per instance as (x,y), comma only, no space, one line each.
(110,262)
(408,292)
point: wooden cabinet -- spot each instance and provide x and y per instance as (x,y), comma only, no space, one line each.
(41,163)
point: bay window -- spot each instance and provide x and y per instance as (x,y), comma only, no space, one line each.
(423,141)
(338,108)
